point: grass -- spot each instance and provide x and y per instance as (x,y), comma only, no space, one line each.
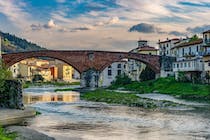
(38,113)
(128,99)
(6,136)
(102,95)
(66,89)
(110,97)
(169,86)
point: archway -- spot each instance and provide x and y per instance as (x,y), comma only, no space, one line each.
(45,69)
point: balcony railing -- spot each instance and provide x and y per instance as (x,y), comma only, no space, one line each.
(207,41)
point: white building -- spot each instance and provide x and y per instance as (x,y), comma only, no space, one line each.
(189,58)
(109,74)
(134,68)
(165,46)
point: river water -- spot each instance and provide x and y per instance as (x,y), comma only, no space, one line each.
(65,117)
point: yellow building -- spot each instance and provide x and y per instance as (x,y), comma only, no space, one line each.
(65,71)
(46,73)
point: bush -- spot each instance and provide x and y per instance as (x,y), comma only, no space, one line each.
(38,78)
(5,74)
(122,79)
(147,74)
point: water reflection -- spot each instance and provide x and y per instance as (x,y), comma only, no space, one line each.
(55,97)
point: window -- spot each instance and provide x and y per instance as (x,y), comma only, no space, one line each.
(185,65)
(197,48)
(109,72)
(118,72)
(190,50)
(174,65)
(182,51)
(177,65)
(181,65)
(209,64)
(205,38)
(189,64)
(119,66)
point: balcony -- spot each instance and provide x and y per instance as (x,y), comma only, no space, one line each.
(207,41)
(206,53)
(188,65)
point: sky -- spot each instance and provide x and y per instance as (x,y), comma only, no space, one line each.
(111,25)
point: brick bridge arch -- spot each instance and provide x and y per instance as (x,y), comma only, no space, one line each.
(85,60)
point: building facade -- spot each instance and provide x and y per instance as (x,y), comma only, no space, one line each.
(108,75)
(134,68)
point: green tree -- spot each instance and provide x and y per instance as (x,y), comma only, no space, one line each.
(122,79)
(194,38)
(147,74)
(5,74)
(38,78)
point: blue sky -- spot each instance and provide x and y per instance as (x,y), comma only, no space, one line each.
(102,24)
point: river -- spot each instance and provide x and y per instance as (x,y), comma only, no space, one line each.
(65,117)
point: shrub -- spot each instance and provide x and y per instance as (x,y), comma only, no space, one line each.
(38,78)
(147,74)
(122,79)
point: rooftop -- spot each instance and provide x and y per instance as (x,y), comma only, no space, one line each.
(208,31)
(184,44)
(145,48)
(169,40)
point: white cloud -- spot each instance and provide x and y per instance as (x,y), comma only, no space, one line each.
(50,24)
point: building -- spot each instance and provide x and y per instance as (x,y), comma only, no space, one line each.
(134,68)
(165,46)
(109,74)
(64,71)
(189,58)
(15,70)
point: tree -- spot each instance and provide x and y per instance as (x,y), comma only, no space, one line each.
(194,38)
(122,79)
(38,78)
(147,74)
(5,74)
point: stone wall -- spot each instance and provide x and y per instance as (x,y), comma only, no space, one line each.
(11,95)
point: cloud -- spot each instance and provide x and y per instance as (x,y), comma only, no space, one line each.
(177,33)
(50,24)
(145,28)
(36,27)
(198,29)
(14,13)
(112,20)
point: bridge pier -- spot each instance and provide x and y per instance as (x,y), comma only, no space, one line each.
(90,79)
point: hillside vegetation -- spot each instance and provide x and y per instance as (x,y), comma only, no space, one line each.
(11,43)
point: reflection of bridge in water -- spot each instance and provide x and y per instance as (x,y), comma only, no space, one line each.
(55,97)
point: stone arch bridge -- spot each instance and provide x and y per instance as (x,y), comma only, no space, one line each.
(86,60)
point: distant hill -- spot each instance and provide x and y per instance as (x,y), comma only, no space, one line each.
(11,43)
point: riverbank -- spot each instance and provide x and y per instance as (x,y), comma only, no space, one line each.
(128,99)
(11,118)
(168,86)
